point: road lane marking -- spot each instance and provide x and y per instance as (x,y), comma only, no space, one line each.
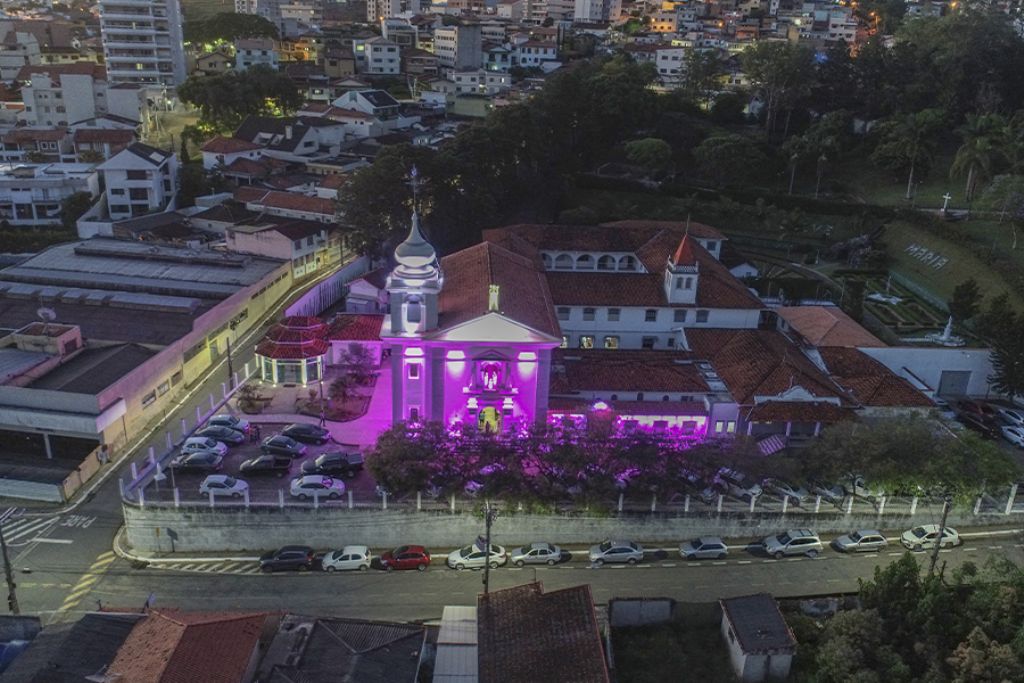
(62,541)
(745,562)
(85,583)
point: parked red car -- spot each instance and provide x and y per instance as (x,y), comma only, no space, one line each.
(406,557)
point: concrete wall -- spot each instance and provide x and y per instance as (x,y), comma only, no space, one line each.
(928,364)
(639,611)
(234,528)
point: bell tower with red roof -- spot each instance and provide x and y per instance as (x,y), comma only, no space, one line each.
(682,273)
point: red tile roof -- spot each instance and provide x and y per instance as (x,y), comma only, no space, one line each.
(292,351)
(223,145)
(295,337)
(684,255)
(289,201)
(799,411)
(870,382)
(525,634)
(109,135)
(169,646)
(54,71)
(356,327)
(760,363)
(524,295)
(827,326)
(627,371)
(247,167)
(23,135)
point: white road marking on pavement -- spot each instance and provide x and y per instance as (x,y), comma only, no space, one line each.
(745,562)
(51,540)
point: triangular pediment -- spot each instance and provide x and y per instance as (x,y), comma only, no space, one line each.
(493,327)
(794,393)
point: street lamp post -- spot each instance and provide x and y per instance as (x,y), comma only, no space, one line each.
(490,514)
(231,369)
(12,595)
(323,419)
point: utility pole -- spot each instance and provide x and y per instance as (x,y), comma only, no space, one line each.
(231,369)
(12,595)
(490,513)
(942,529)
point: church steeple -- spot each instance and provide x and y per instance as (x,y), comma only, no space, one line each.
(415,282)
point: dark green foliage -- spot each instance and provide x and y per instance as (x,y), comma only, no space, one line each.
(228,26)
(224,100)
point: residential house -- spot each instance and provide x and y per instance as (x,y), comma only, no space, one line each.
(250,52)
(99,144)
(31,194)
(671,65)
(36,144)
(381,57)
(377,103)
(303,48)
(378,10)
(139,179)
(512,10)
(58,95)
(587,11)
(416,62)
(214,63)
(480,82)
(222,151)
(292,139)
(310,246)
(400,31)
(535,53)
(339,62)
(368,294)
(486,642)
(761,645)
(459,46)
(497,58)
(287,204)
(18,48)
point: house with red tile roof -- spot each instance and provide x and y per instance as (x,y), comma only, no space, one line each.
(222,151)
(170,646)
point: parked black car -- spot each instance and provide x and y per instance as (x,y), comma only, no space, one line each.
(283,445)
(226,434)
(337,464)
(307,433)
(290,557)
(203,461)
(266,464)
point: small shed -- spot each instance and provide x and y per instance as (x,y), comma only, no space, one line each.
(760,642)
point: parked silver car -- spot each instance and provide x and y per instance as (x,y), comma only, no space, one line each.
(796,494)
(704,548)
(351,557)
(616,551)
(474,556)
(860,541)
(536,553)
(793,542)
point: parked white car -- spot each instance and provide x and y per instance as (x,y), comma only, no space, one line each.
(536,553)
(855,485)
(616,551)
(223,485)
(351,557)
(1014,435)
(924,537)
(1012,416)
(317,485)
(830,493)
(474,556)
(197,444)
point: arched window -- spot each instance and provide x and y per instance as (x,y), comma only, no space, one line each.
(563,262)
(546,258)
(615,397)
(639,395)
(627,263)
(606,262)
(665,397)
(585,262)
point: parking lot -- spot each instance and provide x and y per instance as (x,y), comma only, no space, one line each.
(263,487)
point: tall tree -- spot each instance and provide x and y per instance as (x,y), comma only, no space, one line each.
(906,142)
(1008,356)
(966,300)
(975,158)
(225,100)
(228,27)
(783,73)
(1005,195)
(700,75)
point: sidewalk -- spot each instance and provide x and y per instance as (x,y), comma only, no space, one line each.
(362,431)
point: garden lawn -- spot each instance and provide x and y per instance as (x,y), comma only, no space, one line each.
(963,263)
(873,185)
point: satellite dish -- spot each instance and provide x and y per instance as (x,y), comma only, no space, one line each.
(46,314)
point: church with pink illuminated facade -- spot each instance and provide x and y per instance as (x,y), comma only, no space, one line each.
(646,323)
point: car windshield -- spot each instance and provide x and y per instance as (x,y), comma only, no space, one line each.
(783,539)
(229,481)
(467,551)
(605,547)
(855,536)
(919,532)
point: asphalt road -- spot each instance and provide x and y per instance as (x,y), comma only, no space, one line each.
(412,595)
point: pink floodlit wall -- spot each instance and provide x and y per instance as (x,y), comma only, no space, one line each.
(480,377)
(685,426)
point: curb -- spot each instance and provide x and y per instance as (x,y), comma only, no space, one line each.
(131,557)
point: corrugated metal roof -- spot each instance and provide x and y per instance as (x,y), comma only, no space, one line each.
(14,362)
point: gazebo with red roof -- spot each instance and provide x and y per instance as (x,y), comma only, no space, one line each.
(293,351)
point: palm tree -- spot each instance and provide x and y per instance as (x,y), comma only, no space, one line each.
(907,140)
(976,155)
(1010,138)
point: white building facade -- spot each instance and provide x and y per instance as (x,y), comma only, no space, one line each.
(140,179)
(142,41)
(31,194)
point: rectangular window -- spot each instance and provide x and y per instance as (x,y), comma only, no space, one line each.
(563,312)
(137,175)
(712,245)
(651,315)
(611,342)
(613,314)
(149,399)
(138,194)
(118,191)
(163,388)
(414,370)
(648,342)
(702,316)
(588,314)
(176,378)
(586,341)
(297,244)
(565,342)
(679,315)
(730,426)
(719,426)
